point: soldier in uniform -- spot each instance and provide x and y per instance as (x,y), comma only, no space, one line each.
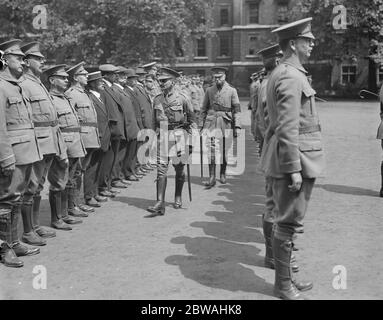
(293,154)
(89,131)
(152,68)
(51,144)
(63,179)
(219,113)
(172,112)
(270,57)
(380,134)
(254,88)
(18,151)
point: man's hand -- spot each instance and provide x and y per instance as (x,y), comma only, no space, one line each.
(296,182)
(64,163)
(8,171)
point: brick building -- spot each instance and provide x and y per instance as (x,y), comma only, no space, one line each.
(242,27)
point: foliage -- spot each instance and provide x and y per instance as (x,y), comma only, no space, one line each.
(115,31)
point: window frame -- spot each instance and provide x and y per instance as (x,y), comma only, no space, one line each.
(221,8)
(228,38)
(255,4)
(252,35)
(198,48)
(348,73)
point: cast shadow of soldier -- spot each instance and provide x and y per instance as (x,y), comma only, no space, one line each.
(233,241)
(348,190)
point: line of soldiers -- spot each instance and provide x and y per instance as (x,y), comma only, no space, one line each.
(286,125)
(83,139)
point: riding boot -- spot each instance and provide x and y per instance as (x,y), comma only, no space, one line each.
(283,286)
(19,249)
(29,235)
(55,203)
(211,183)
(267,233)
(7,255)
(159,208)
(381,173)
(222,175)
(180,179)
(42,232)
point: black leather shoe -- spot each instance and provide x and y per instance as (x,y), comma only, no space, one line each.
(85,208)
(208,185)
(157,210)
(70,220)
(115,192)
(154,214)
(303,286)
(119,185)
(61,225)
(107,194)
(127,182)
(223,179)
(99,198)
(45,233)
(132,178)
(77,213)
(92,203)
(33,239)
(9,258)
(22,251)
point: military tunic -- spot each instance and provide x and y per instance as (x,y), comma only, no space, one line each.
(87,116)
(61,177)
(49,137)
(174,113)
(220,111)
(18,143)
(293,144)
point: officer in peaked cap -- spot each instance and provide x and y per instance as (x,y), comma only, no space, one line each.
(270,57)
(293,154)
(108,68)
(220,111)
(152,68)
(70,129)
(171,108)
(89,134)
(32,49)
(18,151)
(51,143)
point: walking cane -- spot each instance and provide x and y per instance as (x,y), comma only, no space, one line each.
(361,94)
(201,155)
(189,184)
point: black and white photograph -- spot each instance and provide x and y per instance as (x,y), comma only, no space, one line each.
(210,152)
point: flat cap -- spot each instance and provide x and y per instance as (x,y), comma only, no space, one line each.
(217,71)
(168,73)
(296,29)
(108,68)
(131,73)
(149,65)
(94,76)
(140,71)
(12,47)
(270,52)
(77,69)
(32,49)
(57,70)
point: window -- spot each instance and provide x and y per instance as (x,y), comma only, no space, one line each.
(282,12)
(224,45)
(253,13)
(348,74)
(253,45)
(224,16)
(201,47)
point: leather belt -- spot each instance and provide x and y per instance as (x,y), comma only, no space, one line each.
(220,108)
(310,129)
(46,123)
(75,129)
(14,127)
(89,124)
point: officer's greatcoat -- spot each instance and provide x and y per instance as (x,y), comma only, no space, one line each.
(293,141)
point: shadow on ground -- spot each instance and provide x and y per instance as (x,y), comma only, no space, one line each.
(232,241)
(355,191)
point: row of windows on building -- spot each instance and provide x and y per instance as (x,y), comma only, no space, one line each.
(349,74)
(252,14)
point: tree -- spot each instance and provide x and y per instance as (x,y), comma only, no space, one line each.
(364,27)
(116,31)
